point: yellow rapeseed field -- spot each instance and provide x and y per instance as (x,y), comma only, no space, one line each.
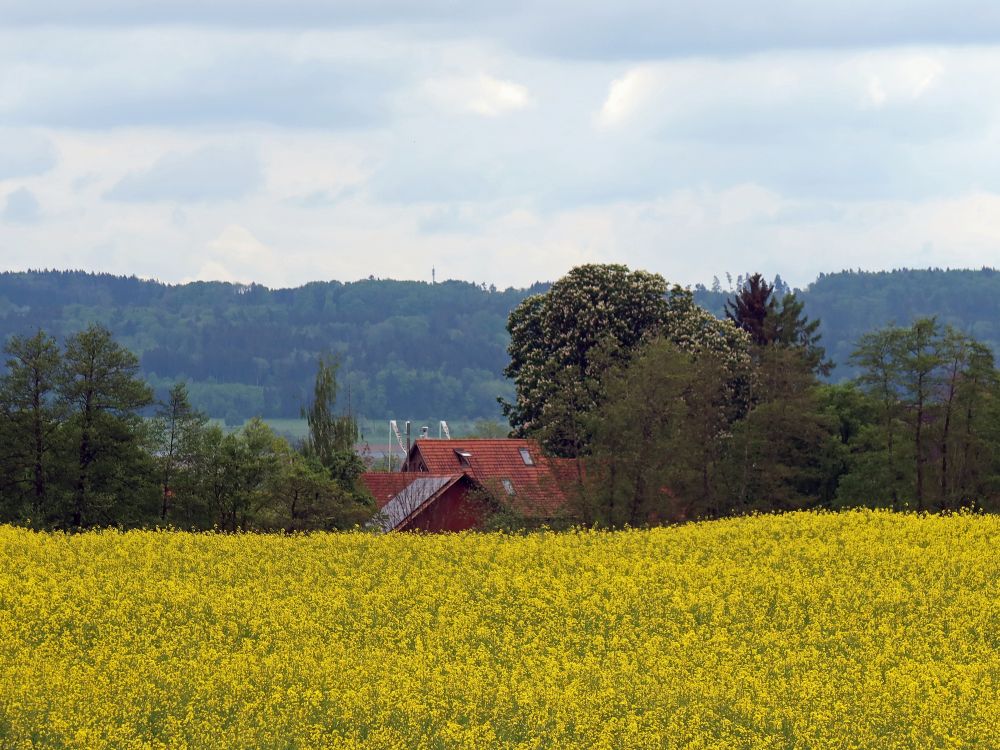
(862,629)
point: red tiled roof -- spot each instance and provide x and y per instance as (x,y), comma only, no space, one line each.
(566,470)
(538,488)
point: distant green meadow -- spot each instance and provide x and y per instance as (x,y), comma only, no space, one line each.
(375,433)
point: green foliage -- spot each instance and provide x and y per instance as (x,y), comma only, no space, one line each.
(671,443)
(303,497)
(29,427)
(658,440)
(751,308)
(755,309)
(332,437)
(932,396)
(408,347)
(177,435)
(780,447)
(100,387)
(594,319)
(610,365)
(253,479)
(853,303)
(80,453)
(488,428)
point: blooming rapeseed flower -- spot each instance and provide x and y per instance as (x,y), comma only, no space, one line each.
(863,629)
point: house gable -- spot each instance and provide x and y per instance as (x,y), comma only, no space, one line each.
(444,483)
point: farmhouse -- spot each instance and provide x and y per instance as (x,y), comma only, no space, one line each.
(453,485)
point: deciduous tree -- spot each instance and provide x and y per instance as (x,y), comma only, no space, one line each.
(331,436)
(177,431)
(781,444)
(931,388)
(659,440)
(595,318)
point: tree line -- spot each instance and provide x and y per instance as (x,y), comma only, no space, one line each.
(669,412)
(673,417)
(86,444)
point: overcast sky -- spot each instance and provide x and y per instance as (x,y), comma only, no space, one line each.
(284,142)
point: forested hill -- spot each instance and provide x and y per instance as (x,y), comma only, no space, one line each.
(851,303)
(407,348)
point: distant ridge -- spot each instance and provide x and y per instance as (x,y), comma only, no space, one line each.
(407,347)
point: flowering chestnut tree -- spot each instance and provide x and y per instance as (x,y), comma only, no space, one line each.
(563,342)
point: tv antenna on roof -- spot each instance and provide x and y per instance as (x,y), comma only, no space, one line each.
(394,430)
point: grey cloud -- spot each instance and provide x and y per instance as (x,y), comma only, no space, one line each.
(844,167)
(21,207)
(807,212)
(812,161)
(160,87)
(323,198)
(84,181)
(594,29)
(24,154)
(799,124)
(452,219)
(440,178)
(211,173)
(239,13)
(646,29)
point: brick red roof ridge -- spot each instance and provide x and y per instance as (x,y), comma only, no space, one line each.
(385,485)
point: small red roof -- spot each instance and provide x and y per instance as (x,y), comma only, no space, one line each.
(384,485)
(419,491)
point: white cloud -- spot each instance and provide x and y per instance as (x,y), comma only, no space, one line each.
(900,77)
(627,95)
(876,92)
(699,96)
(482,95)
(495,97)
(236,255)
